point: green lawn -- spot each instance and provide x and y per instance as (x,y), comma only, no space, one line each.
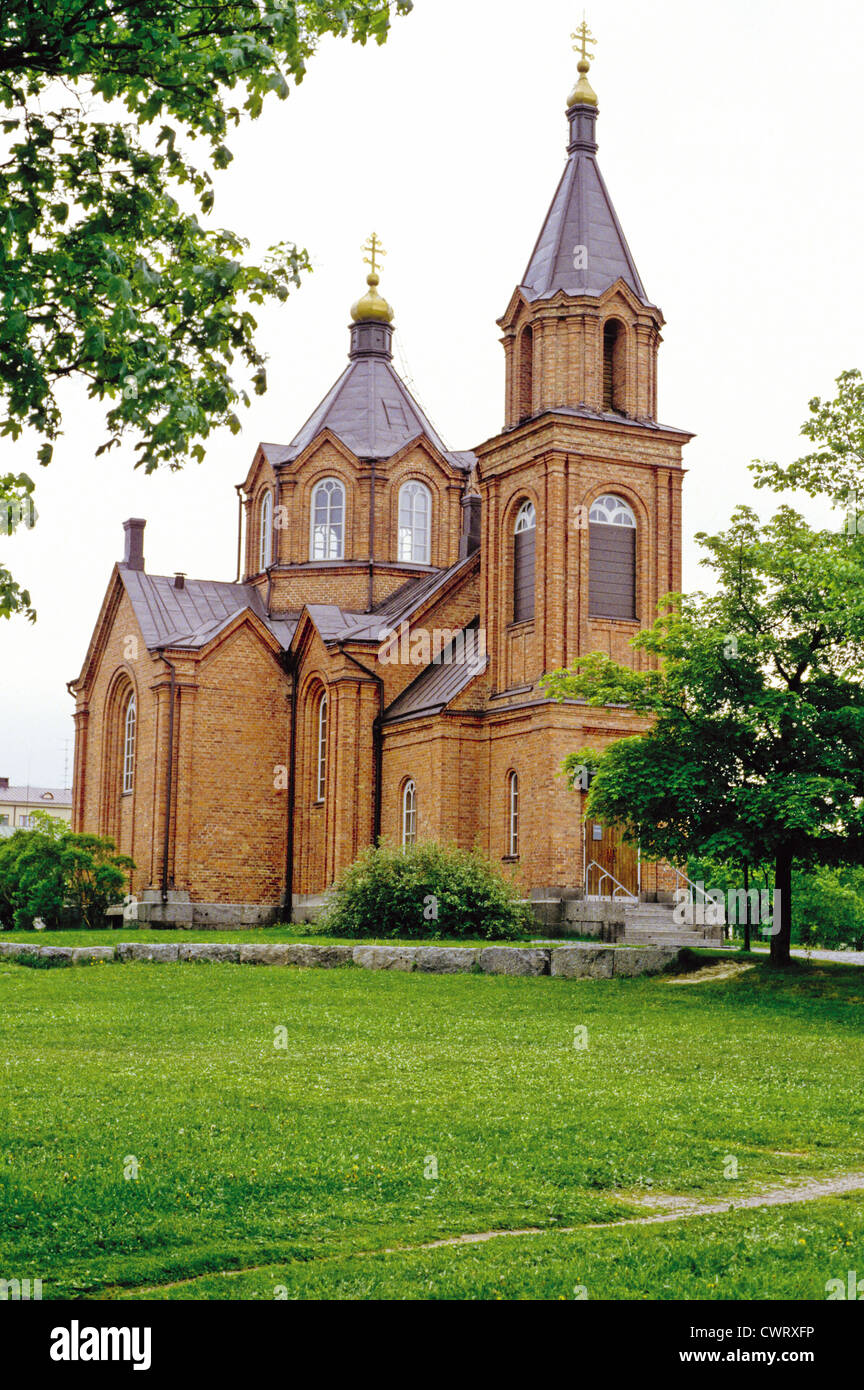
(258,936)
(298,1164)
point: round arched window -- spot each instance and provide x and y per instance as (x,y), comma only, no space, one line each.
(328,521)
(409,814)
(415,510)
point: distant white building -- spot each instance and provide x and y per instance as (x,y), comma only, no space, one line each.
(17,805)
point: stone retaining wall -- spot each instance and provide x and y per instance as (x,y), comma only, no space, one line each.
(577,961)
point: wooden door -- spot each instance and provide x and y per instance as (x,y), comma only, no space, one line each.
(606,852)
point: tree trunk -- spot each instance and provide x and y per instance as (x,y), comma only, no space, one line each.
(746,906)
(782,939)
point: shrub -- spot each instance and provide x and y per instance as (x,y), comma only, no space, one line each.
(63,878)
(428,890)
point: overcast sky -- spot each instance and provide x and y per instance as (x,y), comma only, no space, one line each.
(730,139)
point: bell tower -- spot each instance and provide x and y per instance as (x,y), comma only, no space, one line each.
(582,488)
(580,330)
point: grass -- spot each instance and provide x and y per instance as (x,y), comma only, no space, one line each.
(775,1253)
(295,1160)
(258,936)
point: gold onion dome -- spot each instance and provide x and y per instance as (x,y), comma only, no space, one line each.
(583,93)
(372,306)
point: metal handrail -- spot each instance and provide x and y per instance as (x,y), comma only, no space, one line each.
(604,873)
(694,887)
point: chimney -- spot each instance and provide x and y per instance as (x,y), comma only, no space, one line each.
(134,556)
(4,784)
(179,580)
(470,538)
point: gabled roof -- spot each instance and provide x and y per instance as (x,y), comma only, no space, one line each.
(581,215)
(190,617)
(439,683)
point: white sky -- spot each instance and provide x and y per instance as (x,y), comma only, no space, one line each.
(731,143)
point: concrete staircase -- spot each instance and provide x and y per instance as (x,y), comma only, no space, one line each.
(654,924)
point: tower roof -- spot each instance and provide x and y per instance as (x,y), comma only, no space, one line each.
(582,249)
(370,408)
(372,411)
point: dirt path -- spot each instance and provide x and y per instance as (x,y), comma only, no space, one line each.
(677,1209)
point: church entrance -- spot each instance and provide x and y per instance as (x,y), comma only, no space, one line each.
(611,865)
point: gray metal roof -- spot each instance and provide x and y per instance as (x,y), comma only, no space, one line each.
(48,796)
(586,412)
(190,617)
(333,623)
(439,683)
(581,215)
(372,411)
(398,606)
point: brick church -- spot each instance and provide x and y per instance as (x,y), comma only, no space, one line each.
(374,670)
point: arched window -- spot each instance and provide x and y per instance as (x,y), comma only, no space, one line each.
(328,521)
(513,815)
(409,814)
(265,532)
(321,750)
(614,366)
(525,377)
(415,510)
(525,533)
(612,569)
(129,720)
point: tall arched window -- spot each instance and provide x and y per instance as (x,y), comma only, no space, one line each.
(328,521)
(409,814)
(321,751)
(415,510)
(129,721)
(525,533)
(265,532)
(513,815)
(525,376)
(612,569)
(614,366)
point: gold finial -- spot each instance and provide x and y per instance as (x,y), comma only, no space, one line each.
(583,92)
(372,305)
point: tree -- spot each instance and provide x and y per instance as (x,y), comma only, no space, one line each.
(51,873)
(835,468)
(756,751)
(106,272)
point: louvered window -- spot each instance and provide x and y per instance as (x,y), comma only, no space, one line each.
(525,535)
(612,571)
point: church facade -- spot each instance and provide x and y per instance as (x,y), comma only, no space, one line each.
(373,673)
